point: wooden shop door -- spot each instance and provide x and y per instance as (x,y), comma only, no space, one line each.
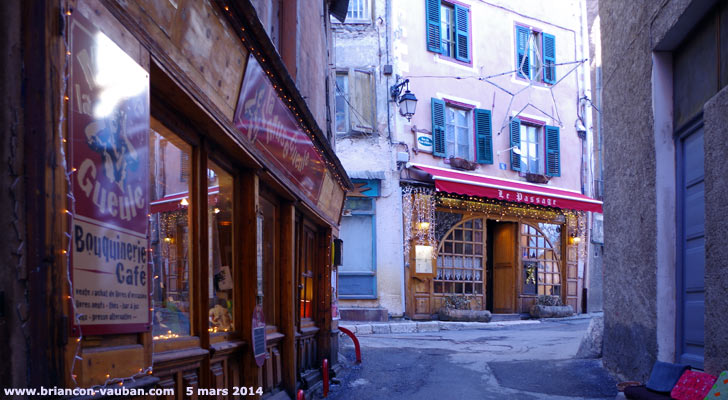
(504,267)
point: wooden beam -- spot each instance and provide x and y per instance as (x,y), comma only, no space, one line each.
(247,200)
(287,297)
(199,248)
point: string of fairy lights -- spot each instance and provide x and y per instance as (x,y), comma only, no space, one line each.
(288,101)
(70,212)
(64,109)
(420,203)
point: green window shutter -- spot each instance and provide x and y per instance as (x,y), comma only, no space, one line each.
(523,60)
(484,136)
(553,151)
(432,11)
(462,36)
(438,127)
(515,141)
(549,58)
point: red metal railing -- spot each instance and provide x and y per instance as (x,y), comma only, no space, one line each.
(357,348)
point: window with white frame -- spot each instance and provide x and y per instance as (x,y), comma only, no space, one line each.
(359,11)
(447,29)
(458,133)
(535,55)
(532,149)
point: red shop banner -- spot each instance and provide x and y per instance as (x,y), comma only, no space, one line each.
(264,119)
(109,153)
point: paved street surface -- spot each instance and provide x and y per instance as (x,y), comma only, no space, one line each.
(534,361)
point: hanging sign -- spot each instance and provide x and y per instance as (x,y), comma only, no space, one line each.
(259,350)
(108,152)
(264,119)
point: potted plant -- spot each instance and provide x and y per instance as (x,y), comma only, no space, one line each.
(550,307)
(461,163)
(537,178)
(457,308)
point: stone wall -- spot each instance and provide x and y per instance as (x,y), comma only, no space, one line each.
(639,210)
(715,114)
(630,340)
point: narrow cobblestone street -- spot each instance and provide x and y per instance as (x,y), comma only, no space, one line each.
(525,361)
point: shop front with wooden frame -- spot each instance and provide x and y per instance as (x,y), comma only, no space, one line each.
(488,254)
(199,200)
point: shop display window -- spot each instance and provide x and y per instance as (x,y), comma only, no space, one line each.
(541,255)
(220,250)
(268,212)
(460,260)
(305,279)
(169,168)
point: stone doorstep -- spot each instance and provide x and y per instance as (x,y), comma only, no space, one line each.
(428,326)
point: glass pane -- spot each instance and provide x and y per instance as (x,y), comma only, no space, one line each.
(458,234)
(448,247)
(358,204)
(458,287)
(479,288)
(220,248)
(478,236)
(468,224)
(458,248)
(468,236)
(270,292)
(468,288)
(478,249)
(462,118)
(169,168)
(468,248)
(478,223)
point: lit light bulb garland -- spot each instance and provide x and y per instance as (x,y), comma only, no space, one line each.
(318,143)
(70,211)
(418,208)
(419,205)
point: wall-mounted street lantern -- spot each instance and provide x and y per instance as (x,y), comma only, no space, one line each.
(407,101)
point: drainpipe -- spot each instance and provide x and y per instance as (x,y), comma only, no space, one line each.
(387,34)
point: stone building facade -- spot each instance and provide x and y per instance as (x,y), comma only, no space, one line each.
(664,113)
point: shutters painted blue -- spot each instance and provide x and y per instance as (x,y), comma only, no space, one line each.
(462,36)
(432,11)
(515,141)
(438,127)
(553,151)
(484,136)
(549,58)
(523,60)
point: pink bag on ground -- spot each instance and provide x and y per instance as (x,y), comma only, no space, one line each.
(693,385)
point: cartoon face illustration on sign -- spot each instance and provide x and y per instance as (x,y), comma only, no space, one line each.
(109,138)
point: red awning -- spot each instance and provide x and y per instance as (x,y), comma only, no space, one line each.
(507,190)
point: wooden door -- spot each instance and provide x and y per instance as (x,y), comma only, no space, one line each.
(504,267)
